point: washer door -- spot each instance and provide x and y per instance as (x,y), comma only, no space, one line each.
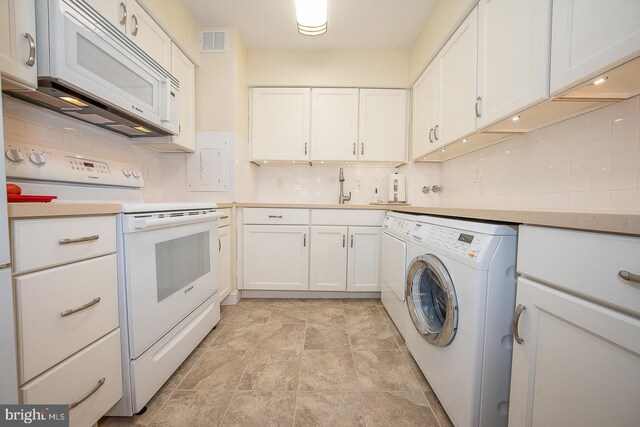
(431,300)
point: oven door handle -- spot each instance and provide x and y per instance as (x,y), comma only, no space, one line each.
(142,223)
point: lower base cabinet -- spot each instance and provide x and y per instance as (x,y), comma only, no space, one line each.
(224,247)
(363,265)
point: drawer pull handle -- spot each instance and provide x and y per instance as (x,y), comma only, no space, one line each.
(275,216)
(224,217)
(352,240)
(88,395)
(630,277)
(79,240)
(32,50)
(82,307)
(478,113)
(135,25)
(344,240)
(516,319)
(304,241)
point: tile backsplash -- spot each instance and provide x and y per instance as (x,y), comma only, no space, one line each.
(590,162)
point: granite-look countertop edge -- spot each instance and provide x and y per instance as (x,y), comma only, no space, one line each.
(43,210)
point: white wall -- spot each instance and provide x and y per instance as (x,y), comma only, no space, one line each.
(591,162)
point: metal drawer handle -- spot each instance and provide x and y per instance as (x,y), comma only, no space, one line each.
(354,148)
(88,395)
(32,50)
(304,241)
(625,275)
(275,216)
(352,240)
(79,240)
(82,307)
(224,217)
(435,133)
(478,114)
(135,25)
(516,319)
(362,149)
(344,240)
(219,245)
(305,148)
(431,135)
(123,20)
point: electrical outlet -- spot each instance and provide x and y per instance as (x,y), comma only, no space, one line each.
(279,182)
(477,176)
(357,184)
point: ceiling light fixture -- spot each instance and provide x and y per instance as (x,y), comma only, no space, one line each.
(311,16)
(516,118)
(600,80)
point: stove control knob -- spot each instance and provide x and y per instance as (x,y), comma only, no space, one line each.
(135,173)
(126,172)
(15,155)
(37,159)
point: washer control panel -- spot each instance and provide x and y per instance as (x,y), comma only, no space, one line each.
(460,242)
(398,226)
(33,162)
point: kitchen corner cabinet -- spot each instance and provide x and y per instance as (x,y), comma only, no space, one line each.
(514,42)
(328,263)
(276,257)
(224,248)
(383,125)
(280,123)
(18,42)
(363,263)
(588,36)
(334,124)
(183,69)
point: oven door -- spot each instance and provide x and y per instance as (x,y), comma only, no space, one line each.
(169,272)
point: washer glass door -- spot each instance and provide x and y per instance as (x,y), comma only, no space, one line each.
(431,300)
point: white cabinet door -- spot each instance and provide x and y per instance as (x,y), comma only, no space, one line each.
(579,364)
(328,263)
(280,123)
(457,64)
(514,42)
(224,248)
(276,257)
(383,125)
(146,33)
(115,11)
(425,109)
(183,69)
(18,41)
(588,36)
(363,264)
(334,124)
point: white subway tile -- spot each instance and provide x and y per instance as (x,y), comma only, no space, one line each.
(569,183)
(625,141)
(589,200)
(44,134)
(625,161)
(582,135)
(626,122)
(625,200)
(590,166)
(14,126)
(623,180)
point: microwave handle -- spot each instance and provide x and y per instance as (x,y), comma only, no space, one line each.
(142,223)
(165,100)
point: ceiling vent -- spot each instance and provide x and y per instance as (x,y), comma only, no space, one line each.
(213,41)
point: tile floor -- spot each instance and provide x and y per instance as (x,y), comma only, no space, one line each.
(297,363)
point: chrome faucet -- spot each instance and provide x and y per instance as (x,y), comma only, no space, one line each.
(343,198)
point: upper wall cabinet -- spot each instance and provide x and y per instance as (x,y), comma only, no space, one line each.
(183,69)
(425,109)
(328,125)
(513,57)
(590,36)
(280,126)
(383,125)
(18,42)
(130,18)
(334,124)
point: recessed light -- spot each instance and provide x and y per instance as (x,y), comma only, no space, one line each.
(294,161)
(515,118)
(507,152)
(619,120)
(600,80)
(142,129)
(322,163)
(443,150)
(464,141)
(74,101)
(264,161)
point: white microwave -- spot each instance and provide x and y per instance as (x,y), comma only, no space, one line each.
(89,70)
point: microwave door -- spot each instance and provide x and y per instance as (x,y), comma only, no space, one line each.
(169,273)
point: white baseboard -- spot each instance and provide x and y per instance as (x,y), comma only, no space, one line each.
(307,294)
(232,299)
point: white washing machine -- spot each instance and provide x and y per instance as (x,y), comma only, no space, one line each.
(460,288)
(396,233)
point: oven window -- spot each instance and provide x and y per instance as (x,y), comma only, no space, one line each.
(180,262)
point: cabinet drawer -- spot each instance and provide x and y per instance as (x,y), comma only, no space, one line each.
(276,216)
(225,219)
(373,218)
(42,243)
(45,335)
(79,376)
(591,268)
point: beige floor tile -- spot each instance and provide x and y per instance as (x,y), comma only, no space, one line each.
(328,371)
(216,370)
(211,336)
(153,406)
(438,410)
(415,369)
(180,374)
(261,408)
(289,315)
(117,422)
(292,303)
(193,408)
(371,336)
(326,314)
(384,370)
(282,336)
(272,370)
(257,302)
(248,315)
(329,409)
(397,409)
(227,310)
(326,337)
(325,302)
(359,302)
(238,336)
(363,314)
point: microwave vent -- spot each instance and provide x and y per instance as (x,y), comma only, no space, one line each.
(213,41)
